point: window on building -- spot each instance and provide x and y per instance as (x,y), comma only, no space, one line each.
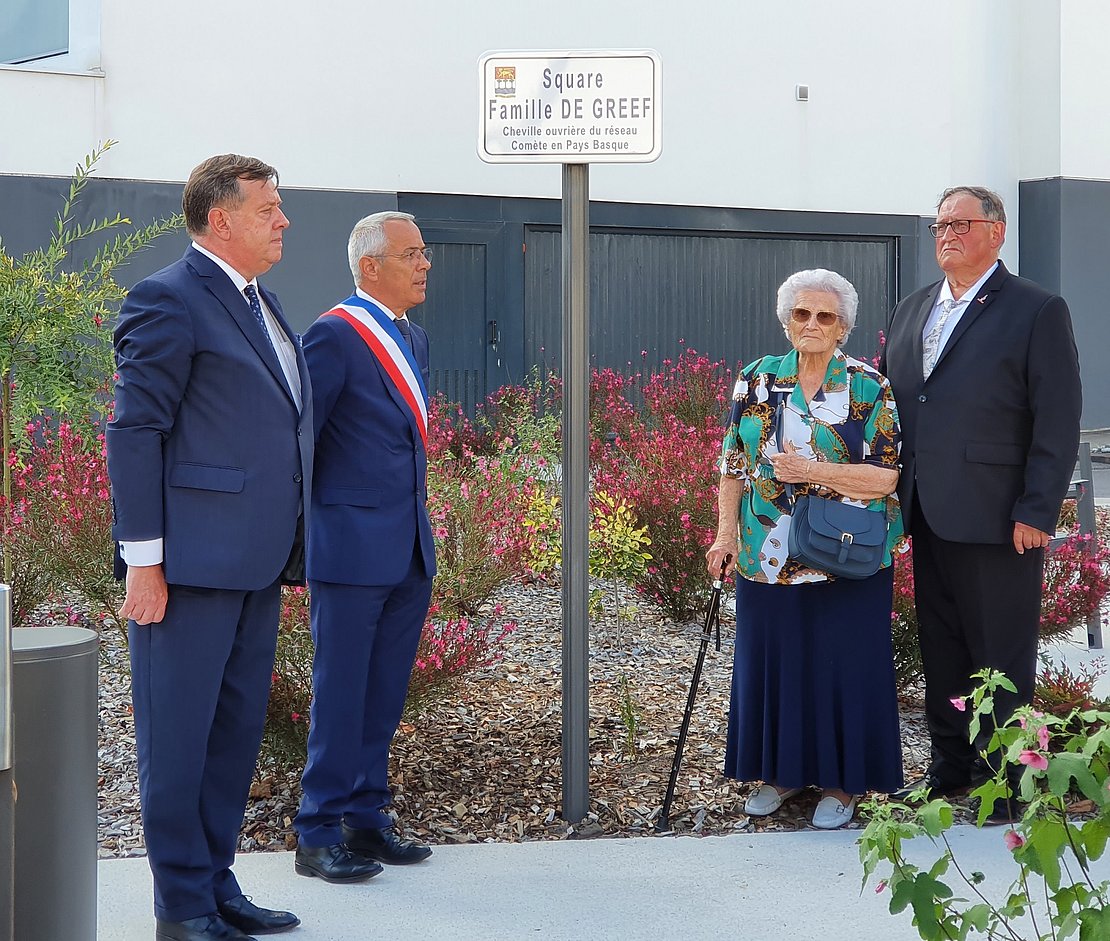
(32,30)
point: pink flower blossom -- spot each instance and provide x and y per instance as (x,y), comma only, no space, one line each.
(879,888)
(1013,840)
(958,702)
(1043,736)
(1034,759)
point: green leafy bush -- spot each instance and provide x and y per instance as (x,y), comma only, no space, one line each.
(1054,889)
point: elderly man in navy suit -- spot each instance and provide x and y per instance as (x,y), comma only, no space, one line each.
(370,553)
(984,367)
(210,459)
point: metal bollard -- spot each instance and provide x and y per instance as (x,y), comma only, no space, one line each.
(54,739)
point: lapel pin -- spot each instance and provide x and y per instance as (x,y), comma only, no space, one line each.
(982,299)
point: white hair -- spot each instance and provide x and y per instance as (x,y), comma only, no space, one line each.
(819,279)
(368,238)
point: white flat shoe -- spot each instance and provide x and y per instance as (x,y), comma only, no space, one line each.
(767,800)
(831,814)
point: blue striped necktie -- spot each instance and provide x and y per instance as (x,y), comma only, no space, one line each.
(256,309)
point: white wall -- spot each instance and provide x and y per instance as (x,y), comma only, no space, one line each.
(905,99)
(1084,84)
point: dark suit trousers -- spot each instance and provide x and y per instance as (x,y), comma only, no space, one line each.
(200,682)
(978,605)
(366,639)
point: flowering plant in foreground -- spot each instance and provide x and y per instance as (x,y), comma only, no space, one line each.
(1053,893)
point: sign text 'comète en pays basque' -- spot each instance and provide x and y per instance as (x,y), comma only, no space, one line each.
(570,107)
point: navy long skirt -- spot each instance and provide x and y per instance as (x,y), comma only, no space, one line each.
(813,694)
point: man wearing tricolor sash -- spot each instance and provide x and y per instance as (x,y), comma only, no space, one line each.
(371,558)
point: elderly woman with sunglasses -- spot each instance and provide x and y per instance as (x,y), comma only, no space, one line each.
(813,694)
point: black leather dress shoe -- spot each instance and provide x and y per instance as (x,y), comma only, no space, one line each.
(385,846)
(205,928)
(1004,812)
(243,914)
(334,863)
(937,787)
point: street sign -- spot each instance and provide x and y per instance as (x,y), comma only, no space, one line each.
(570,107)
(573,108)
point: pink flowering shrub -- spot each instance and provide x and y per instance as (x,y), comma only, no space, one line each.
(664,467)
(451,647)
(692,389)
(903,624)
(1076,579)
(285,740)
(58,530)
(477,510)
(1061,690)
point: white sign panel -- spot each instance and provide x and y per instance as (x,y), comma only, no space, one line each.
(569,107)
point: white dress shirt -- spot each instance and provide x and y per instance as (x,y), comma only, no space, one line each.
(958,307)
(366,297)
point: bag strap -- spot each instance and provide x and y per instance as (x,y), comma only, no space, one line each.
(779,423)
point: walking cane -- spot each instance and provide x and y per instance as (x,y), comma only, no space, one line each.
(712,619)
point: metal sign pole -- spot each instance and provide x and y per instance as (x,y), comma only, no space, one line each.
(7,786)
(573,108)
(576,482)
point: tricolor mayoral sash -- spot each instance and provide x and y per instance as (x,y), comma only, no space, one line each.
(375,325)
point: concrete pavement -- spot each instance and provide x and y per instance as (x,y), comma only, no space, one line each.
(801,886)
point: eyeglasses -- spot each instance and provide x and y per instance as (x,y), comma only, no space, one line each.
(410,257)
(959,226)
(825,318)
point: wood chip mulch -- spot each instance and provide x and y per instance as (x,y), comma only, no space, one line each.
(483,763)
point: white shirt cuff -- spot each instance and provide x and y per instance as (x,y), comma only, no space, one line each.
(142,552)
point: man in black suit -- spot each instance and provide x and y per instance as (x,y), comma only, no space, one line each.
(985,371)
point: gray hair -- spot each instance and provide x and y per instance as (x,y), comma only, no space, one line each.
(368,238)
(989,201)
(818,279)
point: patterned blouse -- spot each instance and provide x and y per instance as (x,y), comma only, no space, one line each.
(851,419)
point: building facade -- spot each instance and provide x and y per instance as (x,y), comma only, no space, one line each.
(371,106)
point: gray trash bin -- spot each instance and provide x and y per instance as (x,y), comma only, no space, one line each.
(54,743)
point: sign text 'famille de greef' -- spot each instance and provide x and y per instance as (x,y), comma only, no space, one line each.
(585,107)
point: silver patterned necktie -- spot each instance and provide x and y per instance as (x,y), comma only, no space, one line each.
(931,347)
(256,309)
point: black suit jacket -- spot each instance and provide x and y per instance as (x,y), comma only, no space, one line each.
(991,437)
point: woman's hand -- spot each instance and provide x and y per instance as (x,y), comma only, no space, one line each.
(790,467)
(715,557)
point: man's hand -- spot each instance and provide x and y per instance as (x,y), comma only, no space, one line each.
(1026,537)
(145,602)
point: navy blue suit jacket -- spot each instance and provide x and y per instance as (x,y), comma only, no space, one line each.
(990,438)
(207,449)
(370,489)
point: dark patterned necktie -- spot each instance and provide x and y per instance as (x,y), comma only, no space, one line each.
(256,309)
(403,325)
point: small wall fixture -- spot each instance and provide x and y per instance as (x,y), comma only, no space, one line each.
(801,92)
